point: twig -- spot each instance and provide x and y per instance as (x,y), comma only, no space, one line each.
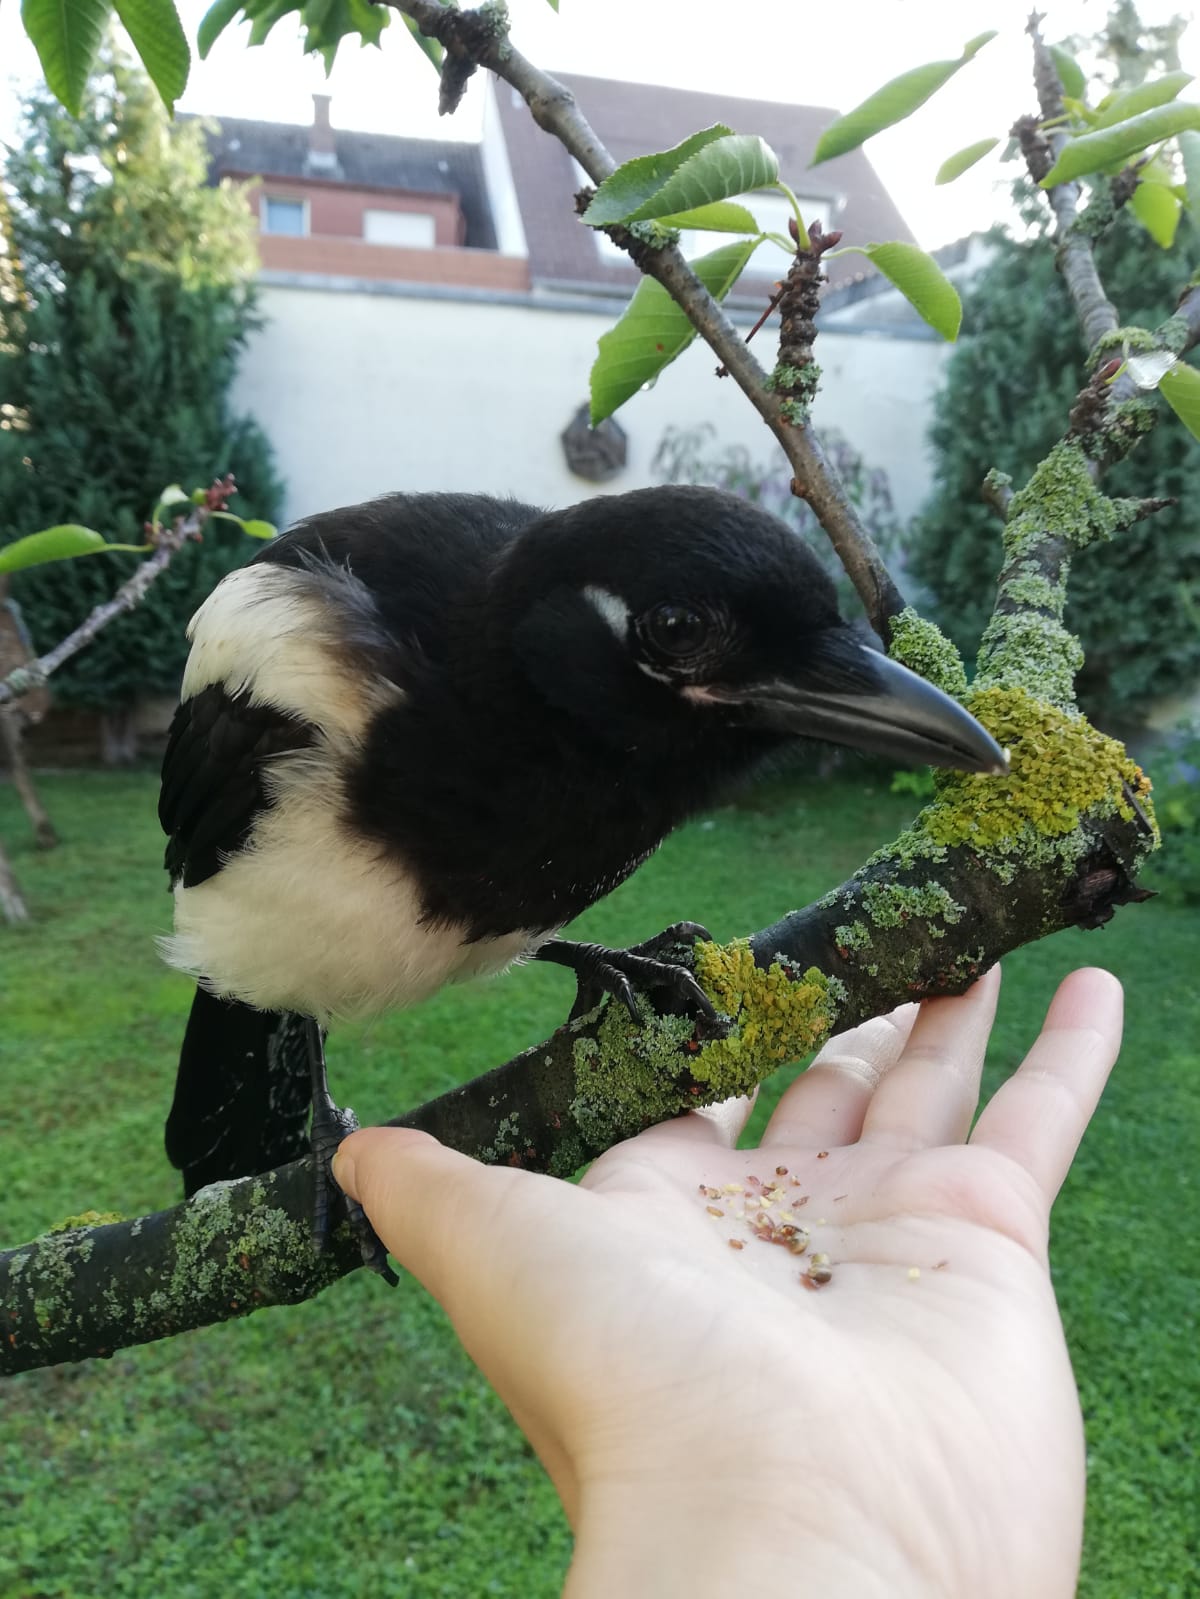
(1076,259)
(480,36)
(24,679)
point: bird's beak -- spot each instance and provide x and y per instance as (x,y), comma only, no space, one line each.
(851,694)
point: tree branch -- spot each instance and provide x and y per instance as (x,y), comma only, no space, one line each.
(480,37)
(989,864)
(24,679)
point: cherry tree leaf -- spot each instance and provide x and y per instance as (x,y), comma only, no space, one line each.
(157,35)
(920,280)
(1108,147)
(66,542)
(66,35)
(896,100)
(653,330)
(1180,388)
(963,160)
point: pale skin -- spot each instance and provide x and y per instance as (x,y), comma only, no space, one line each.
(910,1428)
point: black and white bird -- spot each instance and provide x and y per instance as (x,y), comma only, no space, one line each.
(418,736)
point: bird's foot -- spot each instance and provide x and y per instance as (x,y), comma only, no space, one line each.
(330,1125)
(624,973)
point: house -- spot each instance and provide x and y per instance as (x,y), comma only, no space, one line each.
(432,307)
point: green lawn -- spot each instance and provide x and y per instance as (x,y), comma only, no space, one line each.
(346,1447)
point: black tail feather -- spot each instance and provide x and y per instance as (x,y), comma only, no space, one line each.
(242,1093)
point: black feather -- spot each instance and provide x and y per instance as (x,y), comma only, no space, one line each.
(241,1094)
(213,778)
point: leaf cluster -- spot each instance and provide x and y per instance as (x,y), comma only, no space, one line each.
(1008,386)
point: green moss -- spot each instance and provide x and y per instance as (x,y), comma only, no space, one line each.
(925,649)
(1062,771)
(1174,334)
(852,936)
(795,411)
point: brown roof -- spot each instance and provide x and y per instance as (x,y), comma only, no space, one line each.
(633,119)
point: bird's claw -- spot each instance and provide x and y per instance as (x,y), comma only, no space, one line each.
(624,973)
(330,1125)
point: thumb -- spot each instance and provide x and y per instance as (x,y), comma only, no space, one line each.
(431,1206)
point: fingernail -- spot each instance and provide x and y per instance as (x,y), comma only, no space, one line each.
(342,1167)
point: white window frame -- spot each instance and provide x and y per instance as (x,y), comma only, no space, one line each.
(398,244)
(285,199)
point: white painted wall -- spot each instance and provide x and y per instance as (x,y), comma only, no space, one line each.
(364,392)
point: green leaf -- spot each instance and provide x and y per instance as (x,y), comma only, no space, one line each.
(431,47)
(1181,390)
(554,5)
(66,35)
(920,280)
(1093,152)
(891,104)
(263,17)
(259,530)
(721,217)
(171,495)
(654,330)
(1189,148)
(1158,209)
(963,160)
(157,35)
(213,24)
(1070,73)
(62,543)
(1144,98)
(637,181)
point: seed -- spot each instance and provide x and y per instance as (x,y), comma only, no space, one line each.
(735,1243)
(732,1188)
(822,1154)
(914,1273)
(781,1171)
(713,1211)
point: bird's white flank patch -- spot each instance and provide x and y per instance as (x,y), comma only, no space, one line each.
(611,609)
(273,630)
(312,918)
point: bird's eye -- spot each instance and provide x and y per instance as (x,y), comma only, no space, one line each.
(676,630)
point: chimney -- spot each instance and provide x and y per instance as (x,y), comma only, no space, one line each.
(322,146)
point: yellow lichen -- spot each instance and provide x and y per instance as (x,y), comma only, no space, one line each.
(86,1218)
(780,1014)
(1062,769)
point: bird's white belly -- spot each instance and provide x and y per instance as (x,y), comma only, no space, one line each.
(312,919)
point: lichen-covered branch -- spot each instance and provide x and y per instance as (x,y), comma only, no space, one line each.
(990,864)
(481,37)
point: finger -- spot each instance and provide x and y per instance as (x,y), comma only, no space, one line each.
(435,1209)
(721,1124)
(1039,1115)
(929,1097)
(826,1104)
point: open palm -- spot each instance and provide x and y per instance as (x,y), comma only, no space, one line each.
(714,1401)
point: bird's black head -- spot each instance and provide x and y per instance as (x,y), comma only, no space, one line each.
(683,619)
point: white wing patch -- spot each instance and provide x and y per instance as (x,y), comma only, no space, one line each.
(269,629)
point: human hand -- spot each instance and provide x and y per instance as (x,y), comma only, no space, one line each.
(710,1415)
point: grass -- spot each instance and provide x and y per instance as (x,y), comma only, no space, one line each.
(346,1446)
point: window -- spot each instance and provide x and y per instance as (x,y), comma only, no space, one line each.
(289,217)
(414,229)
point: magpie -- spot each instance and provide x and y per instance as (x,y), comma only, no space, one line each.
(420,735)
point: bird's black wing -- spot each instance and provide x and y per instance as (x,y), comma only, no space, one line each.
(213,776)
